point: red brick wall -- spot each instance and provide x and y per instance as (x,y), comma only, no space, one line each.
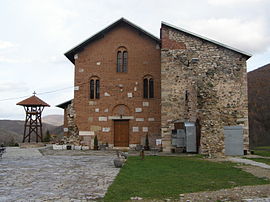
(167,42)
(143,59)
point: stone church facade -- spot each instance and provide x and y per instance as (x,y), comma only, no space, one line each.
(129,84)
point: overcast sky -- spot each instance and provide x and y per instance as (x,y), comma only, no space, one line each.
(35,35)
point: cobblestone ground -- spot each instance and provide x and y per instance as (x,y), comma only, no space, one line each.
(54,178)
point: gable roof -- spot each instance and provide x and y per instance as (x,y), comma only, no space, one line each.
(206,39)
(33,101)
(70,54)
(64,104)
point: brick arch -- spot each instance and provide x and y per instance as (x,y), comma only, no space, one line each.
(94,77)
(147,76)
(121,110)
(121,48)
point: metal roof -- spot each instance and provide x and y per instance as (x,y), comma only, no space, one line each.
(33,101)
(70,54)
(64,104)
(207,39)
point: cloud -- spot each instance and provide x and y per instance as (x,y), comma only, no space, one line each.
(4,59)
(247,35)
(6,44)
(233,2)
(12,86)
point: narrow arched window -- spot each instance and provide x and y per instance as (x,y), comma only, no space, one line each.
(151,88)
(122,60)
(97,89)
(125,60)
(145,88)
(148,87)
(119,61)
(94,88)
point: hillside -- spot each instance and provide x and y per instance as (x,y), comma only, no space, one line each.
(55,120)
(12,130)
(259,108)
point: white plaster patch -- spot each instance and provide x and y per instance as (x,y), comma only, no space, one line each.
(129,95)
(92,103)
(105,130)
(120,118)
(139,119)
(98,63)
(136,83)
(145,104)
(76,56)
(158,141)
(102,118)
(106,110)
(132,146)
(76,87)
(97,110)
(81,70)
(151,119)
(145,129)
(135,129)
(138,109)
(135,88)
(86,133)
(65,129)
(106,94)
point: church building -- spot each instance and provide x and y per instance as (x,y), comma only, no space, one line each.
(186,92)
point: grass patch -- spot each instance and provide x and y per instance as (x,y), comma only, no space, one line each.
(262,151)
(261,160)
(263,147)
(162,177)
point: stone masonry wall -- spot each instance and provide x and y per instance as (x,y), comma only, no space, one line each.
(211,89)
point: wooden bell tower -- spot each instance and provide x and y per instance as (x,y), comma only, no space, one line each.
(33,107)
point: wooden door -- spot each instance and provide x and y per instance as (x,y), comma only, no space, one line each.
(121,133)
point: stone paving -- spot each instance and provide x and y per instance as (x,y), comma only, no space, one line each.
(26,175)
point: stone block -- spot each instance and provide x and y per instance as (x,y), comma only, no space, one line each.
(138,109)
(145,104)
(135,129)
(95,128)
(102,118)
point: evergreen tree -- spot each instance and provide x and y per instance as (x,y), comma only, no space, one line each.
(47,137)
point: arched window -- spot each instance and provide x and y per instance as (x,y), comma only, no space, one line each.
(94,88)
(125,57)
(148,87)
(151,88)
(122,60)
(119,61)
(145,88)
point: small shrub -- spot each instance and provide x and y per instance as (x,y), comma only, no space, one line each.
(146,147)
(95,143)
(47,137)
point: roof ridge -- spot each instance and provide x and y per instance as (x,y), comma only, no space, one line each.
(77,48)
(206,38)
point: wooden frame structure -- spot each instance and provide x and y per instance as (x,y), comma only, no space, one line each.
(33,107)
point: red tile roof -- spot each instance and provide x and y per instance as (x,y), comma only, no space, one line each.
(33,101)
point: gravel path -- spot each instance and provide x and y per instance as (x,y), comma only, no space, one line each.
(26,175)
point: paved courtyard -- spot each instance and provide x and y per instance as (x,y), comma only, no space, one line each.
(26,175)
